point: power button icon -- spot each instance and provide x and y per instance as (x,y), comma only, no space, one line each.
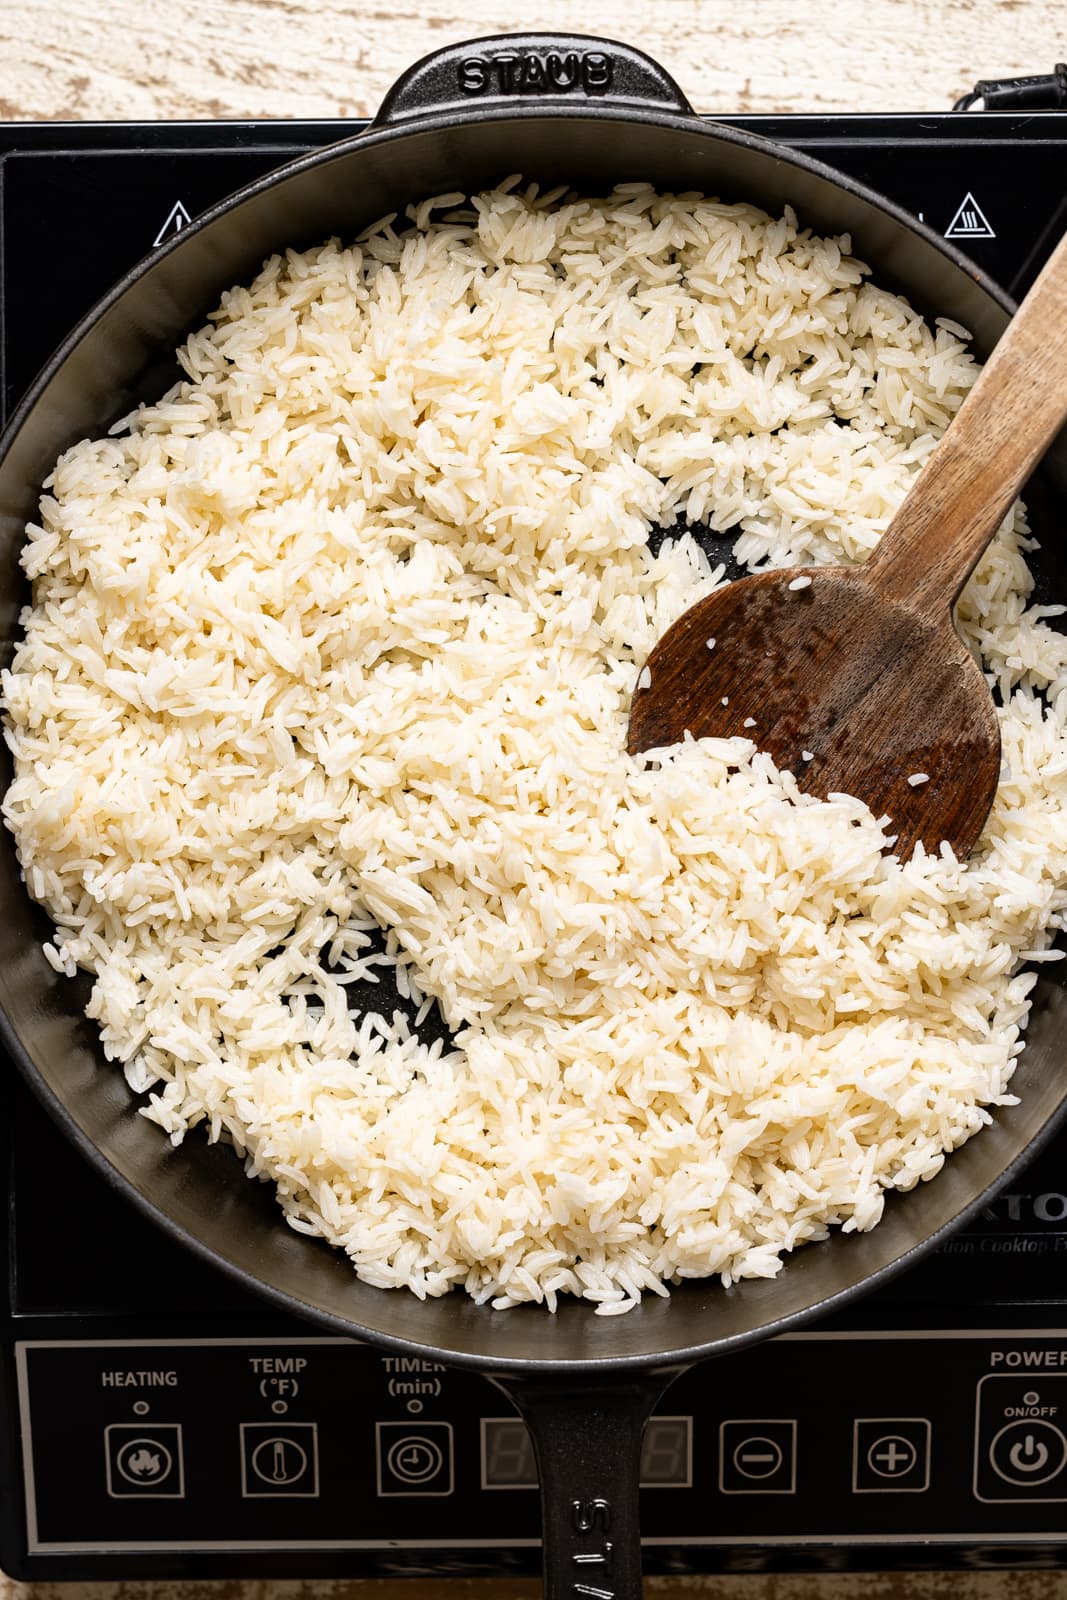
(1020,1437)
(1028,1452)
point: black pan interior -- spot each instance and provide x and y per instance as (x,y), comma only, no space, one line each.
(199,1193)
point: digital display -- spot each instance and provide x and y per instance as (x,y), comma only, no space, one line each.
(508,1457)
(667,1453)
(507,1454)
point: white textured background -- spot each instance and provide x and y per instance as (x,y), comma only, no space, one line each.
(327,58)
(123,59)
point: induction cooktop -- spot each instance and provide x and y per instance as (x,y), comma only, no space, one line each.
(157,1421)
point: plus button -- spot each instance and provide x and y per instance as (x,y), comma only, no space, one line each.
(892,1456)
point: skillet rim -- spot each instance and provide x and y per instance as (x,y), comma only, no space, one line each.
(439,121)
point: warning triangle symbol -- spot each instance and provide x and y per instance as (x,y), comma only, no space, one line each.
(177,217)
(970,221)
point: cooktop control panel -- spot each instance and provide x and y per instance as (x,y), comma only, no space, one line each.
(323,1444)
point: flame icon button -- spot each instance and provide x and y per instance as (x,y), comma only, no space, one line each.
(144,1463)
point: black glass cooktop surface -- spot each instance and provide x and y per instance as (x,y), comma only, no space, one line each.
(159,1421)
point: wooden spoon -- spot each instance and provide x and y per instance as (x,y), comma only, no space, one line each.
(854,678)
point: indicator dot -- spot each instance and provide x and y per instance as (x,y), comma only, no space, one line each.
(140,1408)
(1031,1397)
(279,1407)
(415,1406)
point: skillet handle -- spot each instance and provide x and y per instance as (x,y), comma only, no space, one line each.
(587,1440)
(524,69)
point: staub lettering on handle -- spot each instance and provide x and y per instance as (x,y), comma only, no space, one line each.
(536,72)
(592,1577)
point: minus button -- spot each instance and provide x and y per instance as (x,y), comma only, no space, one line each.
(758,1456)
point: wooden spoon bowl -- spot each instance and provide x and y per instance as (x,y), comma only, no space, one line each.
(855,678)
(819,658)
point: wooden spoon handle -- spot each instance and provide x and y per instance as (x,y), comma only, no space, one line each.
(1003,427)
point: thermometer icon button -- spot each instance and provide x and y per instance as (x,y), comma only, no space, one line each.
(279,1460)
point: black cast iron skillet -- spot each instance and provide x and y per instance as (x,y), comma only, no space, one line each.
(587,113)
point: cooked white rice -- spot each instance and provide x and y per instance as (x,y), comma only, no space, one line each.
(344,630)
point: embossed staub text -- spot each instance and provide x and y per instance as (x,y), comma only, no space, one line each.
(592,1578)
(536,72)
